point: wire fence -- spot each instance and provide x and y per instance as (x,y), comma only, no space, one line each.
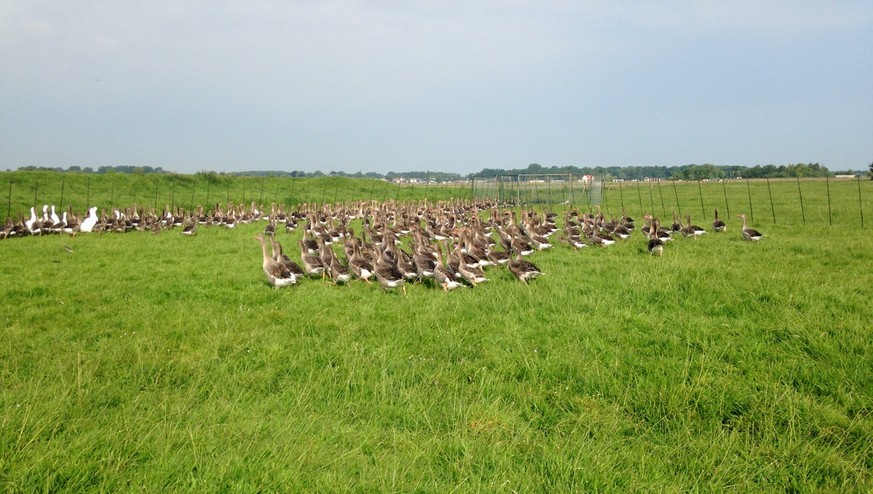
(792,201)
(828,200)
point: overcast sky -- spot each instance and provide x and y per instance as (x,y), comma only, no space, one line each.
(451,86)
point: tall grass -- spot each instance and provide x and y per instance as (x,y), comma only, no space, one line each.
(162,362)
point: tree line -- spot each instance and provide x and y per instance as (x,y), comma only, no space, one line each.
(684,172)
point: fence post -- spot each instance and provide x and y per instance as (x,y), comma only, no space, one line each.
(261,198)
(700,193)
(749,190)
(676,193)
(772,209)
(860,203)
(620,197)
(35,192)
(828,185)
(640,197)
(663,206)
(61,202)
(724,190)
(9,200)
(570,184)
(800,194)
(604,194)
(426,184)
(652,197)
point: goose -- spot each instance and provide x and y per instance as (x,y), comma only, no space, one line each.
(338,272)
(749,234)
(189,226)
(88,223)
(277,274)
(71,223)
(473,274)
(8,228)
(655,245)
(522,269)
(360,266)
(386,272)
(32,221)
(55,219)
(270,229)
(444,275)
(676,227)
(424,263)
(718,225)
(311,263)
(34,224)
(282,258)
(691,230)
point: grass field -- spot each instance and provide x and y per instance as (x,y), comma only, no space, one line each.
(143,362)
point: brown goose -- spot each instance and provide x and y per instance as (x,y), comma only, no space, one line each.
(286,261)
(359,265)
(338,272)
(655,245)
(386,271)
(473,274)
(277,274)
(311,263)
(691,230)
(443,275)
(750,234)
(522,269)
(718,225)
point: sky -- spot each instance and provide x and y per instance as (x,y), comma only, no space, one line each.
(444,85)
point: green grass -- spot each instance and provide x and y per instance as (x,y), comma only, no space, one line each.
(160,362)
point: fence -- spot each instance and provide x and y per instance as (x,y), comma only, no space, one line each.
(788,201)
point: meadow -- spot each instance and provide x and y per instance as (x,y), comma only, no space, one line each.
(145,362)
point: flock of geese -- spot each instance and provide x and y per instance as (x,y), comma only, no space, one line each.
(125,220)
(451,244)
(454,244)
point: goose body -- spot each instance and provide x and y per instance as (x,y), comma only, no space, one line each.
(655,245)
(750,234)
(277,274)
(717,224)
(311,262)
(523,270)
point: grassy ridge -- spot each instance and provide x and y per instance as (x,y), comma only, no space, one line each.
(152,362)
(82,191)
